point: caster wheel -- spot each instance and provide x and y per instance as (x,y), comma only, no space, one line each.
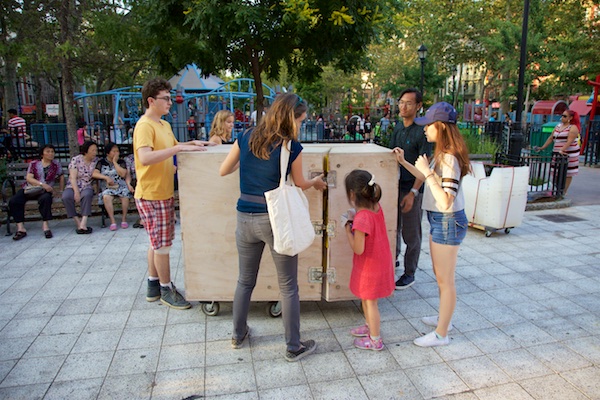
(488,233)
(211,309)
(274,309)
(507,231)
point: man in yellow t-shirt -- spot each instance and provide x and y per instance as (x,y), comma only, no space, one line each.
(154,146)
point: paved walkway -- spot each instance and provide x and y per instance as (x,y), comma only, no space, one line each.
(585,188)
(74,324)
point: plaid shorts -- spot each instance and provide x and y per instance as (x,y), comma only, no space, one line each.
(158,217)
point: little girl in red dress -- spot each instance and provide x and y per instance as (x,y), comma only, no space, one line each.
(372,267)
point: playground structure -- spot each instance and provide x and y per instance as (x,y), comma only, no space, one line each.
(111,115)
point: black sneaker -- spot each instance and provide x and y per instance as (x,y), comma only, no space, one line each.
(237,343)
(404,282)
(153,291)
(172,298)
(307,348)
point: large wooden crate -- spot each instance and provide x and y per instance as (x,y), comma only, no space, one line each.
(208,222)
(207,204)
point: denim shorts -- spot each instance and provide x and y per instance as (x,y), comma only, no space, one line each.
(448,228)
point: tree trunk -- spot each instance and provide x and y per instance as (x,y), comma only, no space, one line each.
(260,96)
(10,88)
(39,107)
(505,104)
(67,32)
(525,109)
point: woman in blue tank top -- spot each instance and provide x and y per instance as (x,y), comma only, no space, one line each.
(257,154)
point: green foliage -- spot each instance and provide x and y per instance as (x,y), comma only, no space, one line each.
(479,144)
(257,37)
(537,181)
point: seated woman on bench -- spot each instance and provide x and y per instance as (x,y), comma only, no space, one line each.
(116,169)
(82,170)
(41,176)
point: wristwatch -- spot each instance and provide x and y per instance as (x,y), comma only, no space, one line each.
(414,191)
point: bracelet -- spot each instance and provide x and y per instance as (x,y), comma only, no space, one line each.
(430,175)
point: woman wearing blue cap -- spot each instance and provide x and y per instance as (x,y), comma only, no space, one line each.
(444,203)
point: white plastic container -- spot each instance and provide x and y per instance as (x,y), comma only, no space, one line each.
(496,201)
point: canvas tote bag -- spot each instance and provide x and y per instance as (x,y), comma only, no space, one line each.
(293,231)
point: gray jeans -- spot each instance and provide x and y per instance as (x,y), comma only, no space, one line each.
(68,198)
(253,232)
(409,230)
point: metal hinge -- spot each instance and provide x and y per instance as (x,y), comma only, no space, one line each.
(316,274)
(320,227)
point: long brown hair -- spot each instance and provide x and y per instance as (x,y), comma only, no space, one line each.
(277,125)
(449,140)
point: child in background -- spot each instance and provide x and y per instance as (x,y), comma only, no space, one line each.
(372,267)
(220,131)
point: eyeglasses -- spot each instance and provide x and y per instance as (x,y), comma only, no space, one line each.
(406,103)
(168,99)
(565,116)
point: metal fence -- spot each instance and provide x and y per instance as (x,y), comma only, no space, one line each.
(591,150)
(55,134)
(547,174)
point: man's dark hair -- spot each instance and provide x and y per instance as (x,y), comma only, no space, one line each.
(418,95)
(12,111)
(153,87)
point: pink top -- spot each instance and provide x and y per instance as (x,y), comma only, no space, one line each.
(372,271)
(80,136)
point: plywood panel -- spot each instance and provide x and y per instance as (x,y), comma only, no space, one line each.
(208,223)
(343,158)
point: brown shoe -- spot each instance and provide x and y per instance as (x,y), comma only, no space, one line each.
(19,235)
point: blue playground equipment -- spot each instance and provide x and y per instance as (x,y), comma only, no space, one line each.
(111,115)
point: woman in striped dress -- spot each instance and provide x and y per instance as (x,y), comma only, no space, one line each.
(565,137)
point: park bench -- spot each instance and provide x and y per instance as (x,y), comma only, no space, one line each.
(16,173)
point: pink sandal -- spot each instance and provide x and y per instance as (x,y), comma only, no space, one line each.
(361,331)
(366,343)
(124,225)
(113,227)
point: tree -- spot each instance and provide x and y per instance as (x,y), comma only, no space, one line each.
(562,41)
(20,24)
(258,36)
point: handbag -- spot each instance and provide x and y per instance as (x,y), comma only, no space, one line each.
(32,192)
(287,206)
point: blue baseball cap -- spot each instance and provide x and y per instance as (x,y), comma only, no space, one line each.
(441,111)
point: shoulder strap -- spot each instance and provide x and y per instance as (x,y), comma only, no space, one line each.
(284,159)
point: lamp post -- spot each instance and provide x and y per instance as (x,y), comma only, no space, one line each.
(517,137)
(422,52)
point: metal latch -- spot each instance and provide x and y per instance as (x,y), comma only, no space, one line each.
(320,227)
(316,274)
(332,179)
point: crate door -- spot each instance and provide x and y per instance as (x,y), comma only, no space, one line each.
(208,222)
(207,204)
(310,261)
(343,158)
